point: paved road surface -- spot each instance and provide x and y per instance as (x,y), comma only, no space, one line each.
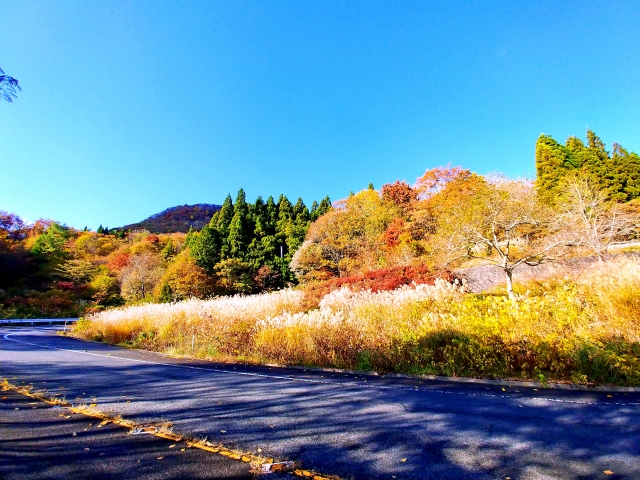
(357,427)
(38,441)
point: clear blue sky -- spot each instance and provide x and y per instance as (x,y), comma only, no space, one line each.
(131,107)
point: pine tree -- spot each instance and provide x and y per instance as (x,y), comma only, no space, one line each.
(167,251)
(314,209)
(552,162)
(205,247)
(618,175)
(240,229)
(224,216)
(271,216)
(324,207)
(300,212)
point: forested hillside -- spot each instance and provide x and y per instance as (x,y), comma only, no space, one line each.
(176,219)
(616,173)
(48,269)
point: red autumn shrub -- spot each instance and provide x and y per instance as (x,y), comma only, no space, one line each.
(376,280)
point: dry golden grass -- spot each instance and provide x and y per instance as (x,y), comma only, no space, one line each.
(584,329)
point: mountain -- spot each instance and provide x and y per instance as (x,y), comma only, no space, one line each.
(176,219)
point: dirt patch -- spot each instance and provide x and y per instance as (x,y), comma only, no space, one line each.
(488,277)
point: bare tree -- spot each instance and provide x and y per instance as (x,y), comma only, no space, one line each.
(501,222)
(595,221)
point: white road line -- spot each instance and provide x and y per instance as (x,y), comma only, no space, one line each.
(322,382)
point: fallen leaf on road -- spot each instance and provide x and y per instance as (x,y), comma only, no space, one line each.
(182,449)
(159,458)
(223,431)
(608,472)
(609,396)
(172,446)
(87,448)
(504,389)
(403,460)
(246,459)
(93,405)
(4,398)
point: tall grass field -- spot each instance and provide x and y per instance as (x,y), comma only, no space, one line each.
(582,329)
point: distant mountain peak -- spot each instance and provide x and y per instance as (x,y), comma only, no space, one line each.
(177,219)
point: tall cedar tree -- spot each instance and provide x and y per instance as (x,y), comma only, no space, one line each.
(618,175)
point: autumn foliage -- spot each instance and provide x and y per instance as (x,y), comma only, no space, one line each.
(383,279)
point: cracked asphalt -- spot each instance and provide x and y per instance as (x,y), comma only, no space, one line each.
(355,426)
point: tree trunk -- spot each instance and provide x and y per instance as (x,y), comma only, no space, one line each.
(509,276)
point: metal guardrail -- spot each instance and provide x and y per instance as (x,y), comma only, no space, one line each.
(27,322)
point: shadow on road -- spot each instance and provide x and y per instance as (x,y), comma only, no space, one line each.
(340,424)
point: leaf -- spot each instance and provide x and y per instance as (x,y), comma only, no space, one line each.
(608,472)
(403,460)
(159,458)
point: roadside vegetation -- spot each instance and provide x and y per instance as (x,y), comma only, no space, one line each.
(584,330)
(370,282)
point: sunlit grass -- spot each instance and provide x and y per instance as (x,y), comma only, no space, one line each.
(584,329)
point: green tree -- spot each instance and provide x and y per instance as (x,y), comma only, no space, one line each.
(240,228)
(224,216)
(205,248)
(323,207)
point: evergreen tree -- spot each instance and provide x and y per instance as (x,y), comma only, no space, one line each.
(300,212)
(271,216)
(205,248)
(240,228)
(323,207)
(258,212)
(314,208)
(166,294)
(100,229)
(618,175)
(224,216)
(626,171)
(167,251)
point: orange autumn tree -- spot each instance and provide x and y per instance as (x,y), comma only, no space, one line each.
(346,240)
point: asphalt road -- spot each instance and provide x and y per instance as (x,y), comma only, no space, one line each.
(357,427)
(38,441)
